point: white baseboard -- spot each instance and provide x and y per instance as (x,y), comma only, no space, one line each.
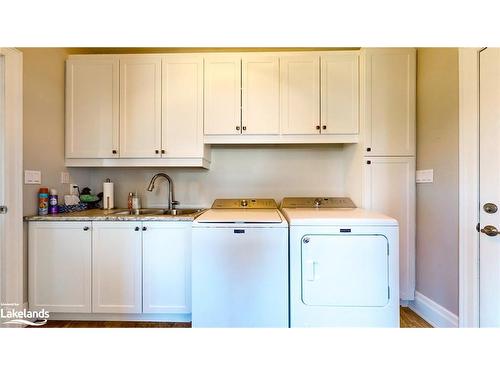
(435,314)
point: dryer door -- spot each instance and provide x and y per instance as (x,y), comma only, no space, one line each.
(345,270)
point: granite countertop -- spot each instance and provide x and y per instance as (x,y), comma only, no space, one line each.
(113,215)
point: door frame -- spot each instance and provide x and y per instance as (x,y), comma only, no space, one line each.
(468,63)
(11,287)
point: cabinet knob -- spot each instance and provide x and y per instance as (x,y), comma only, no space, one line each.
(157,151)
(238,128)
(244,128)
(324,127)
(368,149)
(86,228)
(114,151)
(317,127)
(144,228)
(137,229)
(368,162)
(162,151)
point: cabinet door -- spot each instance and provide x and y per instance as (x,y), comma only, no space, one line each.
(260,107)
(390,101)
(299,94)
(60,266)
(140,106)
(389,188)
(340,93)
(116,267)
(167,267)
(182,106)
(222,95)
(92,107)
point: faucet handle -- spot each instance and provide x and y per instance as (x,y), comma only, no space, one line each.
(175,203)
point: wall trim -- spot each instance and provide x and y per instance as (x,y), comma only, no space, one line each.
(468,300)
(435,314)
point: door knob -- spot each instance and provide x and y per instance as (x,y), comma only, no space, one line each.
(490,208)
(490,230)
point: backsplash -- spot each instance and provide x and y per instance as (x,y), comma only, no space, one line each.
(236,171)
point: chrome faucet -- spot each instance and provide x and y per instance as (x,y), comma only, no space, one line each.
(171,201)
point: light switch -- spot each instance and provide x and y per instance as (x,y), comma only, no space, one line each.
(32,177)
(425,176)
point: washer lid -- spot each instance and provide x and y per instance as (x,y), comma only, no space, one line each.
(221,215)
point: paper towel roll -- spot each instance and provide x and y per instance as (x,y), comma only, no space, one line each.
(108,195)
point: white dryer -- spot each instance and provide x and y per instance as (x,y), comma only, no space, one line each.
(343,264)
(240,265)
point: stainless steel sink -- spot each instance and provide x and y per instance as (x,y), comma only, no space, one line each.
(158,211)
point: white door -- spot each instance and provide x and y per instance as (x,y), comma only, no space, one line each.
(390,76)
(260,107)
(222,95)
(116,267)
(92,107)
(140,106)
(11,189)
(300,92)
(240,277)
(60,266)
(489,194)
(389,188)
(340,93)
(167,267)
(329,263)
(182,106)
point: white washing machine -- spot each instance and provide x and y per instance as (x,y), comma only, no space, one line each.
(343,264)
(240,265)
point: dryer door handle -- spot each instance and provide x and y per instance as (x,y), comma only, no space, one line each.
(311,270)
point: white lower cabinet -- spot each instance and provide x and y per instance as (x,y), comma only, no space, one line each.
(126,267)
(59,256)
(167,267)
(389,188)
(116,267)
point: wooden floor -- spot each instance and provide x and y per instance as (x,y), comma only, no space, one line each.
(408,320)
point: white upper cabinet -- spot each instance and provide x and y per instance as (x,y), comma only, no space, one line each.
(300,106)
(340,93)
(390,75)
(222,95)
(92,107)
(260,94)
(140,106)
(182,106)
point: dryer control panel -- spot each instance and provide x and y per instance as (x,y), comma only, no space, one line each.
(311,202)
(249,203)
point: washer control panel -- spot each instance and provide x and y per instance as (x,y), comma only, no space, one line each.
(250,203)
(312,202)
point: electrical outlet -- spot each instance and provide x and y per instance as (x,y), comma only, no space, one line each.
(32,177)
(64,178)
(425,176)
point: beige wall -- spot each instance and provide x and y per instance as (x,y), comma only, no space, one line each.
(437,148)
(44,120)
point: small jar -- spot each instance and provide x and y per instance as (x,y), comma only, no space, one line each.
(136,202)
(129,205)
